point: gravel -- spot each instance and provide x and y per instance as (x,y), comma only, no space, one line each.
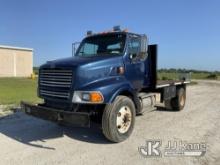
(27,140)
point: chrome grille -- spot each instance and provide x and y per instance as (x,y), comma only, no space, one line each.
(55,83)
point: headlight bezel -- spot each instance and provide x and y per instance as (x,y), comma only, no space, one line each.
(87,97)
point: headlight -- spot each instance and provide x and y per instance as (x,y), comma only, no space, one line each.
(88,97)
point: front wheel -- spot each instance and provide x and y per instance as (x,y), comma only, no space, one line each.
(118,119)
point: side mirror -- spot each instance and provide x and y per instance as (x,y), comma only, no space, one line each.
(144,44)
(75,46)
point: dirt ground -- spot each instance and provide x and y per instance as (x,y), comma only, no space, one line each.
(27,140)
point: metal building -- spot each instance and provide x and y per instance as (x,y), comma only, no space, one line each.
(15,61)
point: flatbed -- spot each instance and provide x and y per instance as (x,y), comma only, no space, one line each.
(166,83)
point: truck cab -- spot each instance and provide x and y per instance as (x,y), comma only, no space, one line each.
(112,77)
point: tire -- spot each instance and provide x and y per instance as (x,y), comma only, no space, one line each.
(167,104)
(177,103)
(118,119)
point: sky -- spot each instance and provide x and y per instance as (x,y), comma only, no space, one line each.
(186,31)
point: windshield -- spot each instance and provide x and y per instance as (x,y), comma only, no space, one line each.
(102,45)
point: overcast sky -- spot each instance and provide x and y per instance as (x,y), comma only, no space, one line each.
(187,31)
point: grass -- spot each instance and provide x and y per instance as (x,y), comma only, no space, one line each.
(167,75)
(13,90)
(199,75)
(173,75)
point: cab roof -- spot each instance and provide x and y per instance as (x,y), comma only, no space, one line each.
(111,33)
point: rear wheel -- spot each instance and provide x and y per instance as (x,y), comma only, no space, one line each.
(178,102)
(118,119)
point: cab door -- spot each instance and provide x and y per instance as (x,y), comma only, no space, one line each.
(134,65)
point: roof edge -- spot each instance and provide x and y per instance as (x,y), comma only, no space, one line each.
(15,48)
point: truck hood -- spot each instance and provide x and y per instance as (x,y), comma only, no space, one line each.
(88,70)
(75,61)
(97,70)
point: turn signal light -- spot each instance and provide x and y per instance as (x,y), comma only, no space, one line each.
(96,97)
(120,70)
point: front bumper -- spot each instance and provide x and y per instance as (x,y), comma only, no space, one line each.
(55,115)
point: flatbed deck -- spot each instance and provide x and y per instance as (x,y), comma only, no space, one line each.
(166,83)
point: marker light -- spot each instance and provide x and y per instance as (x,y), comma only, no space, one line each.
(116,28)
(89,33)
(125,30)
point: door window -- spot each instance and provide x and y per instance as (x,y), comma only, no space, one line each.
(134,47)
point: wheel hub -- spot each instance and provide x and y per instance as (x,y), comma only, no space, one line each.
(124,118)
(182,100)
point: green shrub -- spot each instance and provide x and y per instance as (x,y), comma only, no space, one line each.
(165,78)
(212,76)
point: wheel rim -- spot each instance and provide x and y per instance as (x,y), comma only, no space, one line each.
(124,118)
(182,100)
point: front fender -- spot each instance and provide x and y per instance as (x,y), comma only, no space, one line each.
(110,87)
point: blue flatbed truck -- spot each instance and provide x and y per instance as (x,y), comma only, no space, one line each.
(111,78)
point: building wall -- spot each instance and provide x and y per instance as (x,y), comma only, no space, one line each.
(15,62)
